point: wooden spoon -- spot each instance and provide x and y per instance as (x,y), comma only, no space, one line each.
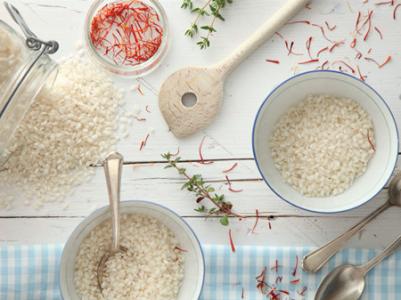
(205,84)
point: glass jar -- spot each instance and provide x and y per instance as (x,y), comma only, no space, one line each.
(25,67)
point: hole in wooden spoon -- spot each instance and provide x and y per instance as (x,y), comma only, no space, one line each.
(189,99)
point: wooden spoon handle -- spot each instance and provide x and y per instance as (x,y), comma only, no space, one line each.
(267,30)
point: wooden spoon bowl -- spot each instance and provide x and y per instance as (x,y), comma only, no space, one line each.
(205,84)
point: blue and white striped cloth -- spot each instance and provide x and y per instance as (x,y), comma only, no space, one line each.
(31,272)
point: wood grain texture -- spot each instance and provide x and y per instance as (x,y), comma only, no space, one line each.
(228,139)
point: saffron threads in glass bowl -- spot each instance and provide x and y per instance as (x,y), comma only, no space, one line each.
(129,33)
(128,37)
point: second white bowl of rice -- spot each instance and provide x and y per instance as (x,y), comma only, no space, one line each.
(274,111)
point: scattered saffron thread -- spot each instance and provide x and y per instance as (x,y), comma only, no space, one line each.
(308,46)
(230,188)
(353,43)
(380,65)
(302,291)
(379,32)
(294,273)
(279,35)
(326,63)
(143,142)
(323,32)
(260,280)
(231,168)
(345,64)
(273,61)
(231,241)
(256,221)
(290,48)
(309,61)
(370,141)
(395,11)
(299,22)
(202,160)
(177,152)
(180,249)
(331,28)
(369,20)
(276,266)
(362,77)
(321,51)
(336,45)
(391,2)
(139,89)
(140,119)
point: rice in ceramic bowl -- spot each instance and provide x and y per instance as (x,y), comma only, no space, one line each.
(152,268)
(333,157)
(164,260)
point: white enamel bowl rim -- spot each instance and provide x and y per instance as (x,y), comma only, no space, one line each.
(389,119)
(65,288)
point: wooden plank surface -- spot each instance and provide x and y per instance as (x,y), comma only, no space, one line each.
(228,140)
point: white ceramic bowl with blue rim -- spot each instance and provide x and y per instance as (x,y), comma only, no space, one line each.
(294,90)
(194,270)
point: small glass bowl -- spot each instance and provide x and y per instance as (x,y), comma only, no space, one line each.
(133,71)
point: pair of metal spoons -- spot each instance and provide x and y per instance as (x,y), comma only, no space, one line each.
(347,282)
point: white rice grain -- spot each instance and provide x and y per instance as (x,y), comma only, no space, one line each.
(152,269)
(321,145)
(70,126)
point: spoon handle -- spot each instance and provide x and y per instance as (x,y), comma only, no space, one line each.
(285,13)
(379,258)
(315,260)
(113,169)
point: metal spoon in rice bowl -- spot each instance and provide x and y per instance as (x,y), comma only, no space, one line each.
(113,169)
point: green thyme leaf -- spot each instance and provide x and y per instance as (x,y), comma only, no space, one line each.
(224,220)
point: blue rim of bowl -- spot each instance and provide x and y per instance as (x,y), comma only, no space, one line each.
(165,208)
(267,99)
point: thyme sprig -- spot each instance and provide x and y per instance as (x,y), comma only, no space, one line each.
(202,190)
(211,9)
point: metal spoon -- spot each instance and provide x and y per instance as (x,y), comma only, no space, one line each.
(347,282)
(112,168)
(314,261)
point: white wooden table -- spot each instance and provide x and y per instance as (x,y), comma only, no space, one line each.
(228,140)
